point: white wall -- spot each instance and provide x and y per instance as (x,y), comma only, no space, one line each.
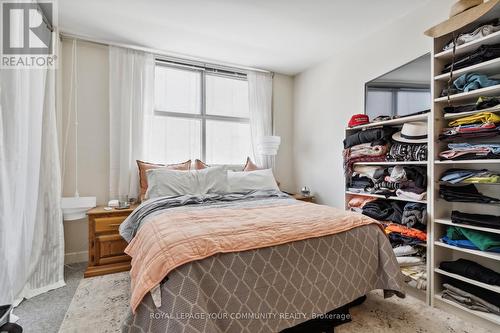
(327,95)
(93,136)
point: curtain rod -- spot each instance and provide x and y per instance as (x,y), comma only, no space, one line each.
(163,54)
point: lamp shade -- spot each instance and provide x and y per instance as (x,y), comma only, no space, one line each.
(269,145)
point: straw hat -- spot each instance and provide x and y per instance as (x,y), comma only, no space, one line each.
(413,132)
(462,13)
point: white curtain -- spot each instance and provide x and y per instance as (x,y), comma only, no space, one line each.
(31,230)
(131,103)
(260,93)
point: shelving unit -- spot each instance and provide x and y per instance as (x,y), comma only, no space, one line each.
(384,197)
(424,295)
(439,209)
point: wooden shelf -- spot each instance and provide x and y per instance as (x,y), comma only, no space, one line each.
(467,226)
(392,122)
(464,114)
(470,281)
(384,197)
(393,163)
(484,254)
(489,68)
(488,316)
(491,39)
(488,91)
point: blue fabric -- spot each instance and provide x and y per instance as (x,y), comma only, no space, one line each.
(466,244)
(473,81)
(457,176)
(495,147)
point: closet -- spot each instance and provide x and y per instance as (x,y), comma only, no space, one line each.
(462,247)
(385,196)
(454,198)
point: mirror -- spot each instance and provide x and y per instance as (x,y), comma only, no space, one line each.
(403,91)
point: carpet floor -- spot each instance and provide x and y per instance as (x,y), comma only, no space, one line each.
(100,304)
(44,313)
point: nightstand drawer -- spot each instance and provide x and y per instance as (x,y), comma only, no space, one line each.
(108,224)
(109,249)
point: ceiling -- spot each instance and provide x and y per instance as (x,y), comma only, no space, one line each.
(285,36)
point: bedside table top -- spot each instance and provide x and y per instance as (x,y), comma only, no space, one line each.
(299,196)
(100,210)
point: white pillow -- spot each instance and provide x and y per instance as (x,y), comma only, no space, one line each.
(246,181)
(165,182)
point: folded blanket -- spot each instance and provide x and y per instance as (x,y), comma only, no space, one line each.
(172,238)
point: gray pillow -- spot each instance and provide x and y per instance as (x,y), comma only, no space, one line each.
(246,181)
(164,182)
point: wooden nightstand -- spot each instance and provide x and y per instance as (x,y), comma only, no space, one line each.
(309,198)
(106,246)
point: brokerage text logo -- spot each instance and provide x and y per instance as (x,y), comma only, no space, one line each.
(27,34)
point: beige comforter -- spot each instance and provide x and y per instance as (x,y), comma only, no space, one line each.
(171,239)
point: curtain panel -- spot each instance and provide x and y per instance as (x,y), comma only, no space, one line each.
(31,230)
(260,94)
(131,102)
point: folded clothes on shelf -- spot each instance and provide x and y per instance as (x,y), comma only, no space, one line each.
(384,210)
(405,231)
(481,54)
(402,152)
(480,220)
(411,180)
(465,151)
(360,182)
(483,102)
(479,125)
(478,118)
(398,239)
(375,173)
(415,216)
(470,132)
(455,176)
(471,270)
(374,136)
(468,37)
(367,150)
(464,193)
(468,82)
(357,202)
(472,239)
(407,261)
(471,297)
(404,250)
(415,276)
(409,195)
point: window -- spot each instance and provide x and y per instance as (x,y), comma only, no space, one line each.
(200,113)
(396,101)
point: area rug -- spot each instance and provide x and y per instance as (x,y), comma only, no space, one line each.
(100,305)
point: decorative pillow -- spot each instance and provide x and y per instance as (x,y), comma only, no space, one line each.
(198,165)
(165,182)
(145,166)
(250,166)
(246,181)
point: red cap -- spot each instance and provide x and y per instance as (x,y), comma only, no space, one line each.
(358,119)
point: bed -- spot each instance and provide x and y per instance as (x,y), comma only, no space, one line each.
(249,262)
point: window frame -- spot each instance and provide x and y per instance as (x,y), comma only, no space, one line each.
(202,116)
(394,95)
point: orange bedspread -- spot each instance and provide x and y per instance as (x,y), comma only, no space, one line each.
(172,239)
